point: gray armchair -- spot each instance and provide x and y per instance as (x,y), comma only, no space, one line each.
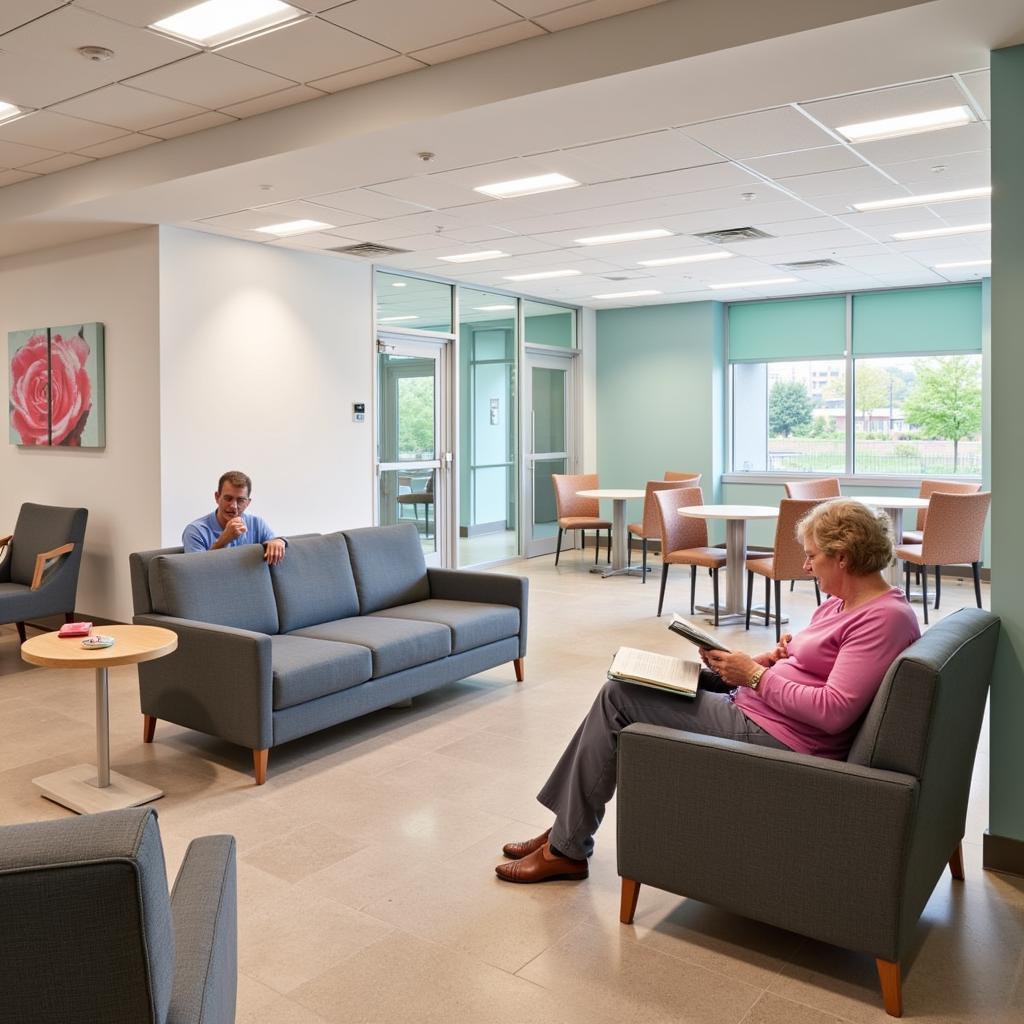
(844,852)
(39,568)
(90,936)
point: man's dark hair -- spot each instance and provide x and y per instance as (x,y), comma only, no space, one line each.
(236,478)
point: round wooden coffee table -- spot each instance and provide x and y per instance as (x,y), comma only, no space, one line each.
(88,788)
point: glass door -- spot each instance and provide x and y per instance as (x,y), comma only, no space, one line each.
(414,459)
(548,444)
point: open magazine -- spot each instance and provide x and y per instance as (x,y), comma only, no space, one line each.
(660,671)
(688,631)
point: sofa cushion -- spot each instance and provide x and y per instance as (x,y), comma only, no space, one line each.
(473,623)
(388,565)
(314,583)
(305,669)
(227,588)
(396,644)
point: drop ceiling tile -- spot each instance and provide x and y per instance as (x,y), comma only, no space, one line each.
(833,183)
(807,226)
(272,101)
(308,50)
(481,233)
(891,263)
(407,25)
(531,8)
(976,165)
(974,211)
(210,81)
(61,162)
(317,240)
(18,12)
(246,221)
(124,144)
(481,41)
(56,131)
(395,227)
(593,10)
(316,6)
(892,102)
(644,154)
(965,139)
(979,85)
(415,243)
(136,12)
(806,161)
(211,119)
(300,210)
(429,190)
(124,107)
(13,177)
(366,202)
(371,73)
(779,130)
(14,154)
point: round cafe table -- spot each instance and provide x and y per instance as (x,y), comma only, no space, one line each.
(618,497)
(89,788)
(893,507)
(736,516)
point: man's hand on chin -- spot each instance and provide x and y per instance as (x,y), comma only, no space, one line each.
(273,551)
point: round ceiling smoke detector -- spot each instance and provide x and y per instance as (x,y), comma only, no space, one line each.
(96,53)
(426,157)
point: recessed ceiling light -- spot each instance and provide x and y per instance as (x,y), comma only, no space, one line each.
(492,309)
(397,284)
(9,111)
(701,257)
(216,22)
(924,200)
(474,257)
(966,229)
(753,284)
(627,295)
(542,274)
(961,263)
(625,236)
(527,186)
(908,124)
(394,319)
(294,227)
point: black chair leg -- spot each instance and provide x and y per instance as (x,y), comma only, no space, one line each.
(609,544)
(750,594)
(817,592)
(629,551)
(924,591)
(664,580)
(976,566)
(643,545)
(767,600)
(21,631)
(558,546)
(938,585)
(906,585)
(792,586)
(693,587)
(714,587)
(778,610)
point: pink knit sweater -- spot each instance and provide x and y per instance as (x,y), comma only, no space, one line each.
(813,700)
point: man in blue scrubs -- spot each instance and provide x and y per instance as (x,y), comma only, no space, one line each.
(229,525)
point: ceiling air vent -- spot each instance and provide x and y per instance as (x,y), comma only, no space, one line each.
(810,265)
(733,235)
(369,250)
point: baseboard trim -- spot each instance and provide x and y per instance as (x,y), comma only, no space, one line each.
(1001,853)
(478,529)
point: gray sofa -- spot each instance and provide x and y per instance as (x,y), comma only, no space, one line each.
(346,624)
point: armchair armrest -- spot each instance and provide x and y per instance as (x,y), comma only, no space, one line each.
(47,556)
(204,907)
(5,558)
(745,827)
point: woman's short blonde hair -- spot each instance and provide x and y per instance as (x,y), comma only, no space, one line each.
(842,526)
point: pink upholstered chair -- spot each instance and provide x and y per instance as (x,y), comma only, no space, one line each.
(683,479)
(684,541)
(786,561)
(650,528)
(928,488)
(824,488)
(576,513)
(952,536)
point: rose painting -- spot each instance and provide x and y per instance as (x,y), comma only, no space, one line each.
(56,392)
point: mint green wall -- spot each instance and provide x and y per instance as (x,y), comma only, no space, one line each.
(660,395)
(1006,797)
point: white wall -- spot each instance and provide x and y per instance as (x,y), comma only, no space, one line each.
(112,280)
(263,350)
(587,328)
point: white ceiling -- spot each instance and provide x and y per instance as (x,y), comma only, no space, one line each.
(782,169)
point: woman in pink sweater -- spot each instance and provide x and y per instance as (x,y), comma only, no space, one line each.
(808,694)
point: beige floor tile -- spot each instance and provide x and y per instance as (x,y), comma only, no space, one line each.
(770,1009)
(258,1004)
(303,852)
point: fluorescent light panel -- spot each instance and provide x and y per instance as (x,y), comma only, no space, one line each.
(754,284)
(397,284)
(925,200)
(966,229)
(294,227)
(625,236)
(474,257)
(216,22)
(701,257)
(908,124)
(527,186)
(394,319)
(542,275)
(492,309)
(8,111)
(962,263)
(627,295)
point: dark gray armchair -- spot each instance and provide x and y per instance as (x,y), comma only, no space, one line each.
(89,935)
(844,852)
(39,569)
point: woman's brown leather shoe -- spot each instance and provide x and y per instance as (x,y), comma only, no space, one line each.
(542,866)
(516,851)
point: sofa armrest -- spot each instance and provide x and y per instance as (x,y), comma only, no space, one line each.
(218,681)
(745,827)
(204,904)
(487,587)
(5,558)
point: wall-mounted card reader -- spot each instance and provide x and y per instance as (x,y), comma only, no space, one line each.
(358,412)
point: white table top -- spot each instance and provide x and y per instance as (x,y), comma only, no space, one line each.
(615,494)
(892,501)
(730,512)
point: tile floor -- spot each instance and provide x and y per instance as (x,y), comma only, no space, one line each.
(366,889)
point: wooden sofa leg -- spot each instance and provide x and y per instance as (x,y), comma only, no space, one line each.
(148,728)
(518,664)
(892,993)
(956,863)
(627,904)
(21,631)
(259,763)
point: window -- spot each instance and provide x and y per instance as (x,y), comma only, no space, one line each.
(412,303)
(880,384)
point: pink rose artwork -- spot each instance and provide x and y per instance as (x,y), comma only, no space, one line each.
(70,391)
(30,391)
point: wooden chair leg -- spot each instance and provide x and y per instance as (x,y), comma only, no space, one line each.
(714,589)
(643,546)
(627,902)
(956,863)
(518,664)
(938,585)
(976,567)
(148,728)
(889,978)
(693,588)
(21,631)
(259,763)
(664,580)
(924,591)
(558,545)
(778,610)
(750,594)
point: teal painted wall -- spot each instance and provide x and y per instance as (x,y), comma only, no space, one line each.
(660,395)
(1006,797)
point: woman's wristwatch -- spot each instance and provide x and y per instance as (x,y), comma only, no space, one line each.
(755,677)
